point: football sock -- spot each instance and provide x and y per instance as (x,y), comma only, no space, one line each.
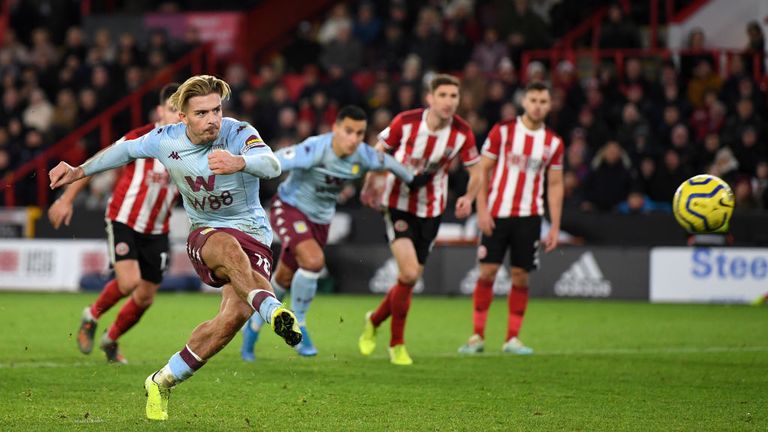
(109,295)
(256,321)
(303,290)
(128,316)
(482,298)
(400,303)
(180,367)
(263,302)
(384,310)
(518,300)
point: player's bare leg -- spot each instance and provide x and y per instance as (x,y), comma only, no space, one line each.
(481,298)
(517,302)
(140,300)
(127,278)
(224,255)
(210,337)
(206,340)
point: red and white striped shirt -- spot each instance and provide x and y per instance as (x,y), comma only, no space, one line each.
(412,144)
(144,195)
(523,156)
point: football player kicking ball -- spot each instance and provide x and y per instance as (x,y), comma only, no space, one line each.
(305,204)
(216,163)
(426,140)
(523,154)
(137,230)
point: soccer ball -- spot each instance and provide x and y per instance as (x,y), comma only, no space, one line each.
(703,204)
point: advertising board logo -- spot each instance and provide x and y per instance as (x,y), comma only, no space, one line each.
(583,279)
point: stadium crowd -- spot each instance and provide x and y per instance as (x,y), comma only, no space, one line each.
(631,137)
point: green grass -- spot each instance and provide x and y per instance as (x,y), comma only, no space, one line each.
(598,366)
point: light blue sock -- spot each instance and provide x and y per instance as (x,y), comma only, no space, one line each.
(256,320)
(179,368)
(268,307)
(303,290)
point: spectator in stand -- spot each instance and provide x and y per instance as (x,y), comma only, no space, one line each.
(669,120)
(102,85)
(704,79)
(340,88)
(618,32)
(520,27)
(681,143)
(560,118)
(367,27)
(744,117)
(495,99)
(754,53)
(303,50)
(670,174)
(595,131)
(759,183)
(695,51)
(380,96)
(461,14)
(407,98)
(426,43)
(39,112)
(671,95)
(748,90)
(237,76)
(704,157)
(632,123)
(42,45)
(576,157)
(729,92)
(412,73)
(742,192)
(639,203)
(343,51)
(338,18)
(64,116)
(392,49)
(610,179)
(455,50)
(748,150)
(489,52)
(725,166)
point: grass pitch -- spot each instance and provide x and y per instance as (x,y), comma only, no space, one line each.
(598,366)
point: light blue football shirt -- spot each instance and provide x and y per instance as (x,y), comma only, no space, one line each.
(229,201)
(318,175)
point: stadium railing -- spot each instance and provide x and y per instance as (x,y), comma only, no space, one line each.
(593,24)
(199,60)
(552,57)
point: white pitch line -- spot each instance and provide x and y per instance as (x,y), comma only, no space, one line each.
(588,352)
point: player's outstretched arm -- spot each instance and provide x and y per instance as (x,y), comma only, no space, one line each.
(64,174)
(61,210)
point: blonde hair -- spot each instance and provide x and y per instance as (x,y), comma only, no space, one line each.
(199,85)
